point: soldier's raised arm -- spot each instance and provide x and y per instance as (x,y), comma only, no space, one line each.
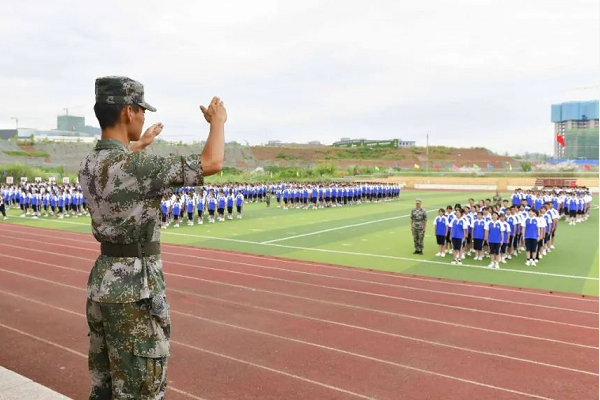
(160,173)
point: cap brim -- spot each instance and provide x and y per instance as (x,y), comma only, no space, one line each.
(147,106)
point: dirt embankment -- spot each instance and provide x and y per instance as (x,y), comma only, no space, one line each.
(383,157)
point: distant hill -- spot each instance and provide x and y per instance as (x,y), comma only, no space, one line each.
(69,155)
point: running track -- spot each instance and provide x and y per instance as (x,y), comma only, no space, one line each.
(251,327)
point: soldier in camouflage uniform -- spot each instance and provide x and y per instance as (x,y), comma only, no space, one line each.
(497,198)
(418,224)
(127,312)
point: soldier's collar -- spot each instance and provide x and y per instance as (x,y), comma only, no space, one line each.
(107,144)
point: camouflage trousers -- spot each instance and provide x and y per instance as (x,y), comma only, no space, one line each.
(128,351)
(418,236)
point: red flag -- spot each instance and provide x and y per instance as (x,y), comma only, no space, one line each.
(586,166)
(561,139)
(436,167)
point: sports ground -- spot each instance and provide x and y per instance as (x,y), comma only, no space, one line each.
(252,326)
(378,237)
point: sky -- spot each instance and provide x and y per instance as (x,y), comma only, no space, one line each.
(466,73)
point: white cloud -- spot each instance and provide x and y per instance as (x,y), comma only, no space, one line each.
(469,73)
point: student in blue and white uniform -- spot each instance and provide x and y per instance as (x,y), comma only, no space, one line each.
(506,239)
(231,200)
(211,205)
(221,202)
(450,216)
(177,211)
(531,233)
(441,230)
(458,232)
(239,203)
(164,211)
(190,210)
(493,236)
(200,204)
(513,223)
(479,236)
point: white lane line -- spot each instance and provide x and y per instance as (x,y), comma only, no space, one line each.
(340,227)
(370,255)
(311,344)
(326,321)
(395,335)
(343,305)
(393,275)
(301,378)
(487,298)
(400,298)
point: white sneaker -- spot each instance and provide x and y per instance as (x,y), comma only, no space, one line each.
(34,217)
(22,215)
(528,263)
(509,257)
(176,225)
(463,256)
(443,255)
(535,262)
(491,265)
(454,262)
(5,218)
(503,262)
(438,254)
(497,266)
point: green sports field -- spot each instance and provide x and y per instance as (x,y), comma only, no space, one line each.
(377,236)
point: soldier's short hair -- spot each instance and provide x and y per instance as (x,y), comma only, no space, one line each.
(108,114)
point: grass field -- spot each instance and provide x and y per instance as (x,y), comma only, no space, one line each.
(377,236)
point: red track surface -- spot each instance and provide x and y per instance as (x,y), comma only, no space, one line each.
(251,327)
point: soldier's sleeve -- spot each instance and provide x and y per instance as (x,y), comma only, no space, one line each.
(424,215)
(158,174)
(412,215)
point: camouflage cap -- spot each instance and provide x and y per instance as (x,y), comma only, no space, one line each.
(418,201)
(120,90)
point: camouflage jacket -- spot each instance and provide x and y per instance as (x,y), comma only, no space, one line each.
(418,217)
(123,190)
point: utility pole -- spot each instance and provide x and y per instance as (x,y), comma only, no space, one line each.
(17,120)
(427,154)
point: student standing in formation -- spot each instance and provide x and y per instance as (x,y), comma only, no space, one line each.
(493,236)
(531,233)
(479,236)
(458,232)
(230,200)
(176,211)
(441,230)
(190,210)
(506,232)
(200,207)
(221,206)
(212,206)
(239,203)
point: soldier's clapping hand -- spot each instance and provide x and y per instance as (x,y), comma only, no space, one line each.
(215,112)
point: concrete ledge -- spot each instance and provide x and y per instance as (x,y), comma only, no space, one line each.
(16,387)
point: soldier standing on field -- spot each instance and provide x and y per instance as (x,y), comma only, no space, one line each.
(127,311)
(418,224)
(497,199)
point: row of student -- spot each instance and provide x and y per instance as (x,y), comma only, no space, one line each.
(565,200)
(310,195)
(498,232)
(176,207)
(45,200)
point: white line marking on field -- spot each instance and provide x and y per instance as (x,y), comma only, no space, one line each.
(344,305)
(334,277)
(369,255)
(406,299)
(339,228)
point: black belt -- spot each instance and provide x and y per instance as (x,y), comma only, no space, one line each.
(138,250)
